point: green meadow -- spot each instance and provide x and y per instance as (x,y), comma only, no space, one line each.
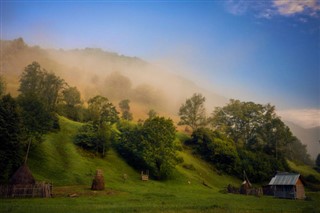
(196,186)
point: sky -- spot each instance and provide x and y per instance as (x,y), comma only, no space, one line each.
(266,51)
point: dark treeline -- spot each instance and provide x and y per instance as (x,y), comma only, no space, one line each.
(239,136)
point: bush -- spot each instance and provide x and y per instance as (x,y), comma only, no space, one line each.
(94,138)
(149,146)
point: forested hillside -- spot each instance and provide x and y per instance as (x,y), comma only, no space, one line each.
(240,136)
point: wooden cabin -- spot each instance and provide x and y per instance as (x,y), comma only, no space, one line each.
(287,185)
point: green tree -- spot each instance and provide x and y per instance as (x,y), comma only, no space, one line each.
(35,117)
(192,113)
(258,165)
(150,146)
(241,120)
(216,148)
(36,81)
(97,135)
(125,110)
(95,138)
(101,110)
(11,138)
(71,106)
(158,136)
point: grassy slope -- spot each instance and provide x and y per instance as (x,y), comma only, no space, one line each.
(71,171)
(304,170)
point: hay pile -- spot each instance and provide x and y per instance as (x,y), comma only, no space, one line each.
(98,181)
(22,176)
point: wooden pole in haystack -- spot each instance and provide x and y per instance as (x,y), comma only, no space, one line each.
(25,160)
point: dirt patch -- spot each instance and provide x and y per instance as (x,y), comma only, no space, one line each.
(81,191)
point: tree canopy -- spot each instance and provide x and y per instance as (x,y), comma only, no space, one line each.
(192,113)
(71,96)
(150,146)
(101,110)
(11,137)
(46,86)
(240,120)
(216,148)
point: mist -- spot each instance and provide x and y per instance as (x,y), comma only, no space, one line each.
(117,77)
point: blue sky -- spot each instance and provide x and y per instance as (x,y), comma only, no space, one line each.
(262,51)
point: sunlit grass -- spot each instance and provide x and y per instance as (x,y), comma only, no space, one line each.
(71,170)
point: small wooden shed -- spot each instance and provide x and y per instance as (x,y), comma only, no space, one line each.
(287,185)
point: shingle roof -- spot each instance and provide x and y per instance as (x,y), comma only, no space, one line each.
(285,179)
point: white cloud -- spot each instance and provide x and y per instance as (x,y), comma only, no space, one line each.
(290,7)
(269,9)
(306,118)
(237,7)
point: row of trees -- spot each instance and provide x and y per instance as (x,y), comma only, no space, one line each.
(242,136)
(239,136)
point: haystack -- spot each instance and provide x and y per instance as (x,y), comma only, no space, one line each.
(22,176)
(98,181)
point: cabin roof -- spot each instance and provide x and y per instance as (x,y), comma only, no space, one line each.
(285,179)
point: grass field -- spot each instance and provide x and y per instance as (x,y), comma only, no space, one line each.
(71,170)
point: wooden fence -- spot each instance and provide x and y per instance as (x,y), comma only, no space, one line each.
(26,190)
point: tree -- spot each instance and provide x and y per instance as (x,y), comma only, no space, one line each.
(70,105)
(94,138)
(152,114)
(2,86)
(71,96)
(36,81)
(318,161)
(297,152)
(215,148)
(158,136)
(263,141)
(11,138)
(150,146)
(125,109)
(36,118)
(101,110)
(193,112)
(241,120)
